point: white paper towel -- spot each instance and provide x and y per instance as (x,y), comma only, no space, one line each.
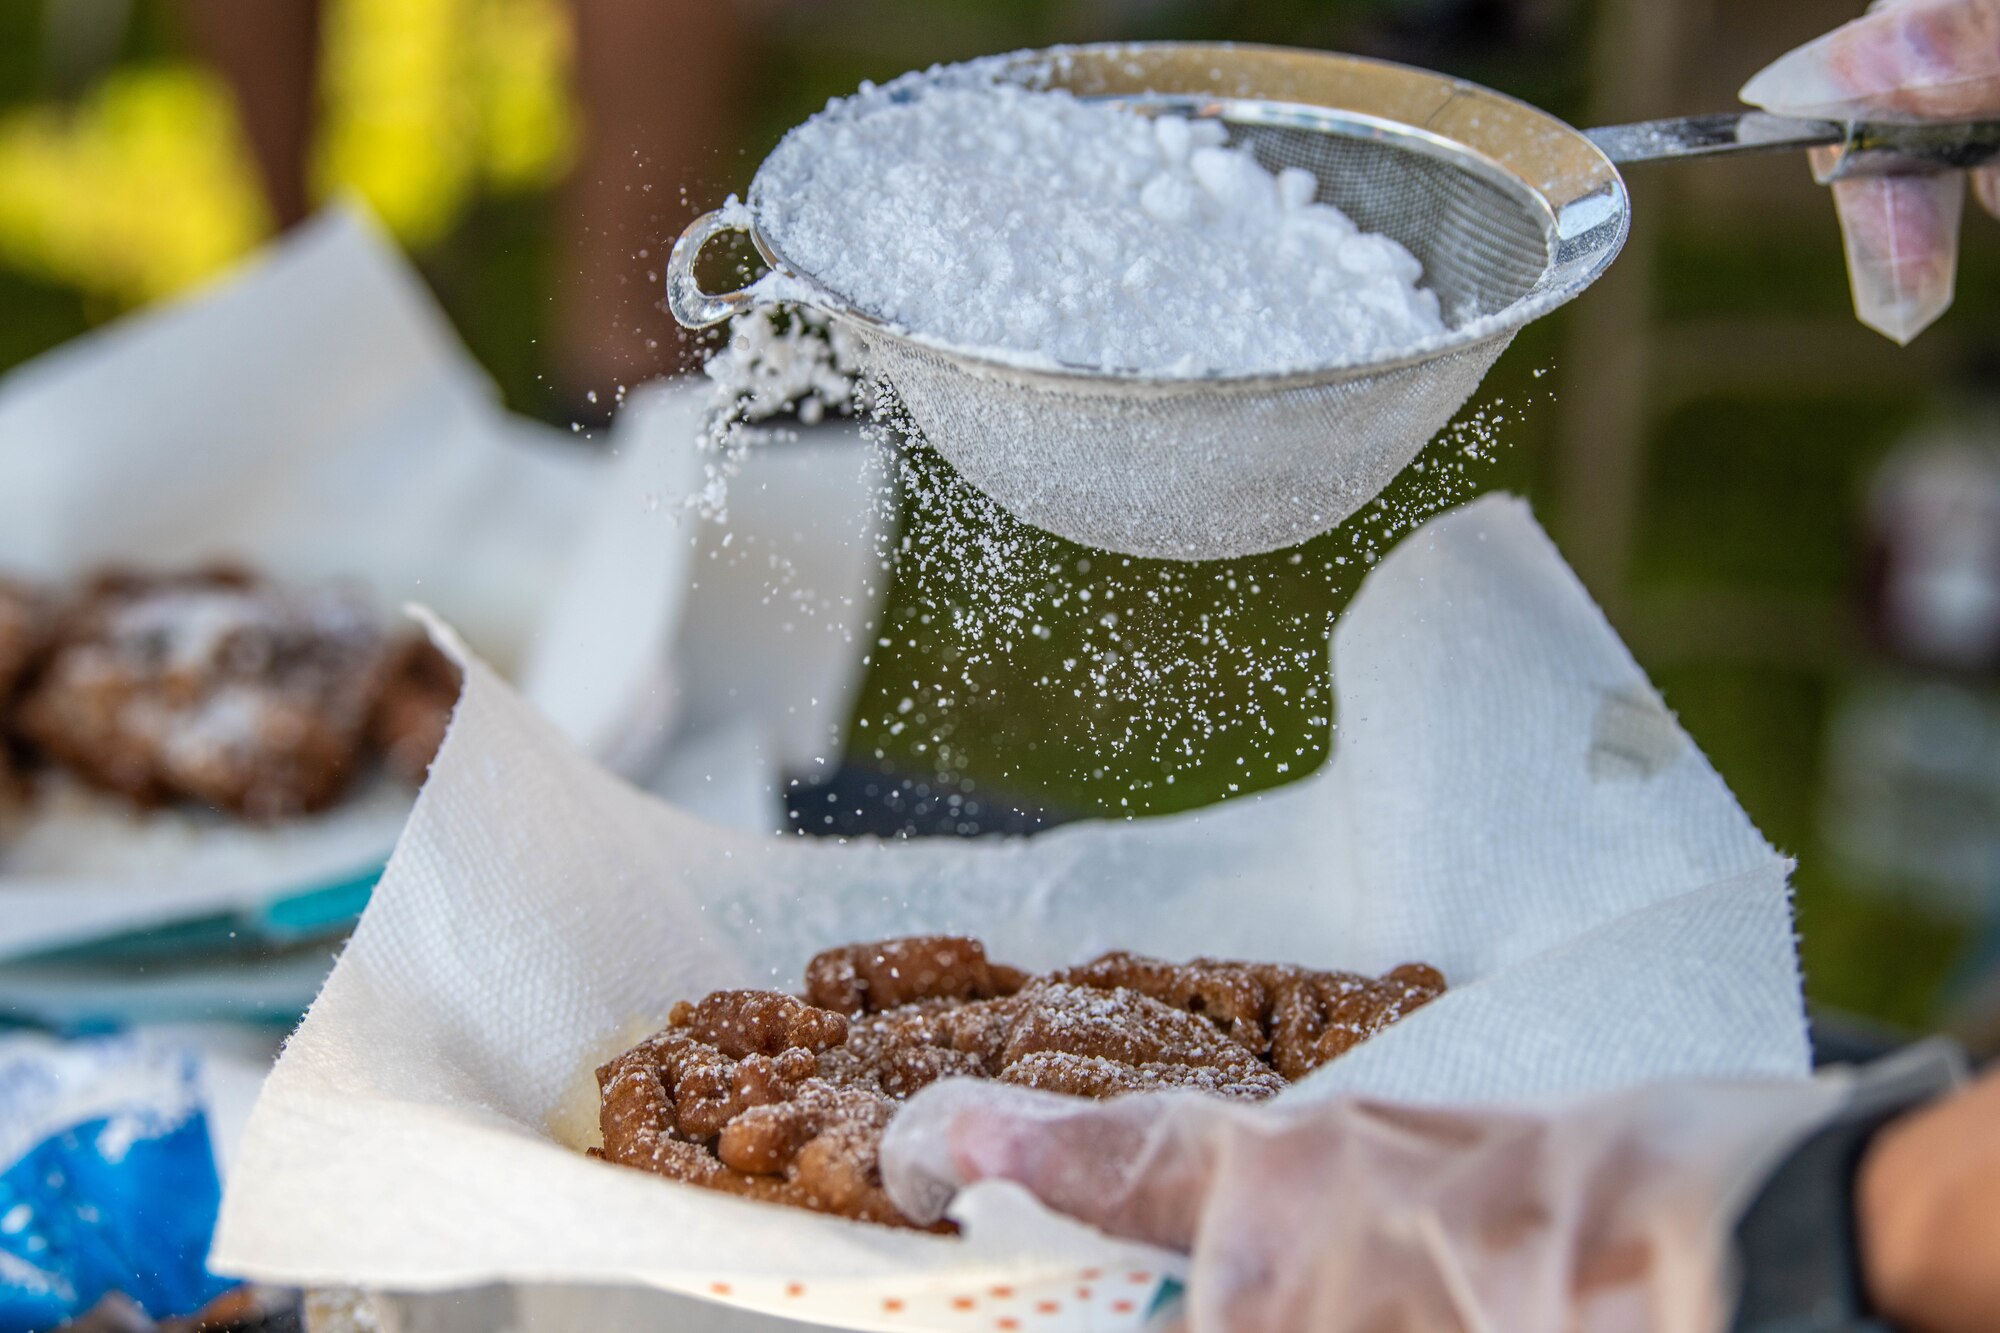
(751,650)
(1507,799)
(314,414)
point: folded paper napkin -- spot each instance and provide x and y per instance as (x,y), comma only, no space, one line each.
(1508,799)
(314,415)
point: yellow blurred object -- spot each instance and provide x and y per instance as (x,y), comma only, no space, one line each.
(527,122)
(145,186)
(425,99)
(141,189)
(394,117)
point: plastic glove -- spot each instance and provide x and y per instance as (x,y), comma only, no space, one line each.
(1906,60)
(1611,1212)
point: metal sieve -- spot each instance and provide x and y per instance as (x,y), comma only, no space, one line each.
(1511,212)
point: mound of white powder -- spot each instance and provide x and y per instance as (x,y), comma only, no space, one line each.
(1029,223)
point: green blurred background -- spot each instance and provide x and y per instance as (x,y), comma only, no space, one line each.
(1701,434)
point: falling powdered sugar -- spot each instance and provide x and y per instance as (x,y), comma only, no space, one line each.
(772,364)
(1043,229)
(776,364)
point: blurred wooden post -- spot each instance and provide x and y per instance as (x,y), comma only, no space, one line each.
(268,52)
(661,85)
(1607,365)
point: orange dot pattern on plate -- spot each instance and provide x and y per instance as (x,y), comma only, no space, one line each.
(719,1288)
(966,1303)
(795,1289)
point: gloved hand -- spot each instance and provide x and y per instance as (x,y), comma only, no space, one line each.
(1609,1212)
(1906,60)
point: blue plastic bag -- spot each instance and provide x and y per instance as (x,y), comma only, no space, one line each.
(107,1180)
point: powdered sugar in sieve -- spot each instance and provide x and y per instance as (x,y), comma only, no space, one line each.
(1173,301)
(1032,226)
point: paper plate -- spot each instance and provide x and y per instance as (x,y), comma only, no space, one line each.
(315,416)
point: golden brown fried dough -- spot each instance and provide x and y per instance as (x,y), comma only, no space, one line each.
(871,978)
(217,687)
(769,1096)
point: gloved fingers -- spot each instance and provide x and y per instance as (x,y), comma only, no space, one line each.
(1139,1167)
(919,1169)
(1986,186)
(1901,235)
(1354,1215)
(1605,1212)
(1914,60)
(1601,1213)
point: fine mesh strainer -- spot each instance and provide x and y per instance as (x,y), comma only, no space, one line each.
(1511,212)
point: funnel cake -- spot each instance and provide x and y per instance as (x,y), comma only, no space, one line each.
(23,633)
(218,687)
(785,1099)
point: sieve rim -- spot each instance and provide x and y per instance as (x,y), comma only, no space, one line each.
(1574,259)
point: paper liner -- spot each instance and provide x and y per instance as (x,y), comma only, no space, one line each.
(1508,799)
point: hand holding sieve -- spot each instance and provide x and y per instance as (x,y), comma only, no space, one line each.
(1511,212)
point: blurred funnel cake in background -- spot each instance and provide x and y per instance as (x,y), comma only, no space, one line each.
(22,630)
(215,687)
(785,1099)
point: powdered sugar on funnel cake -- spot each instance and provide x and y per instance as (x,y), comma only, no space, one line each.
(1042,229)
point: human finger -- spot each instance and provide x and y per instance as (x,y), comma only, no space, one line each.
(1925,1208)
(1918,60)
(1986,186)
(1901,237)
(1138,1167)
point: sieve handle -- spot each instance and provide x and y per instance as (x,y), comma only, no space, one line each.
(693,307)
(1866,148)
